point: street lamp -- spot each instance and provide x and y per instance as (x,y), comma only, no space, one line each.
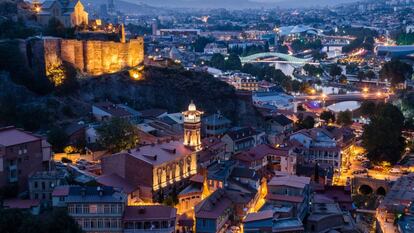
(365,89)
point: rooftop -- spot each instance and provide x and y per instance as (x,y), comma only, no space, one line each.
(157,154)
(10,136)
(95,194)
(261,215)
(213,206)
(291,181)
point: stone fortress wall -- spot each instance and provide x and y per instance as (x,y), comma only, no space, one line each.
(93,57)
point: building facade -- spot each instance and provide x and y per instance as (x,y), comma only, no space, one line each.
(96,209)
(21,154)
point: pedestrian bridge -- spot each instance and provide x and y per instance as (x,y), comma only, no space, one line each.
(281,58)
(335,98)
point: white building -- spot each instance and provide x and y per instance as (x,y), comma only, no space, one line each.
(278,99)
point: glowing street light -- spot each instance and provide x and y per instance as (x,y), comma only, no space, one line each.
(379,93)
(365,89)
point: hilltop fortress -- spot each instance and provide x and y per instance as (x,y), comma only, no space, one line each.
(92,57)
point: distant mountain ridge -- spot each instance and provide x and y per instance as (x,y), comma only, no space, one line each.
(129,7)
(239,4)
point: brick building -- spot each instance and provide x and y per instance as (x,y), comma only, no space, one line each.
(21,154)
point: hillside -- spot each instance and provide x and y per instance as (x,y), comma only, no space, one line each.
(170,89)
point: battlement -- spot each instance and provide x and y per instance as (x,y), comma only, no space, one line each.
(92,57)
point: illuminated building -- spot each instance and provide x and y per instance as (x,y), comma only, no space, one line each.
(192,127)
(155,166)
(69,13)
(162,165)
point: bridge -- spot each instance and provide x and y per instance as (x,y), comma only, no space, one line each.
(281,58)
(330,99)
(368,185)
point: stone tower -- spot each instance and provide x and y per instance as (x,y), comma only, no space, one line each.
(192,127)
(123,39)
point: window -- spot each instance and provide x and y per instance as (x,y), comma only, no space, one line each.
(36,196)
(71,208)
(43,196)
(113,209)
(35,184)
(43,186)
(100,223)
(106,209)
(107,223)
(93,209)
(85,209)
(78,209)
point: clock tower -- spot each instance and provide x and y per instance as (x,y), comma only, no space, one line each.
(192,127)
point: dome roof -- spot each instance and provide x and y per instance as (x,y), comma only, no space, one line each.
(192,107)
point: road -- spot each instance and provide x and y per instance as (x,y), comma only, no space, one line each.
(351,164)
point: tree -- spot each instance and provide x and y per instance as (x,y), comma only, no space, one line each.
(327,116)
(343,79)
(201,42)
(217,61)
(57,221)
(117,134)
(233,62)
(335,70)
(58,138)
(370,75)
(56,28)
(344,118)
(360,76)
(307,123)
(395,71)
(368,108)
(382,137)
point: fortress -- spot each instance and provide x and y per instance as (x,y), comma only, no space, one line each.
(91,57)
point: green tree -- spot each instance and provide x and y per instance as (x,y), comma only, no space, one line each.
(117,134)
(327,116)
(217,61)
(344,118)
(201,42)
(233,62)
(335,70)
(396,71)
(382,137)
(58,138)
(307,123)
(368,108)
(56,28)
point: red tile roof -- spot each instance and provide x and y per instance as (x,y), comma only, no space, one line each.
(60,191)
(278,197)
(259,152)
(261,215)
(10,136)
(116,181)
(20,204)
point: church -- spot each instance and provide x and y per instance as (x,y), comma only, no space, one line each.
(70,13)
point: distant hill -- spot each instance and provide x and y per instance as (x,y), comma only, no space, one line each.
(130,7)
(239,4)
